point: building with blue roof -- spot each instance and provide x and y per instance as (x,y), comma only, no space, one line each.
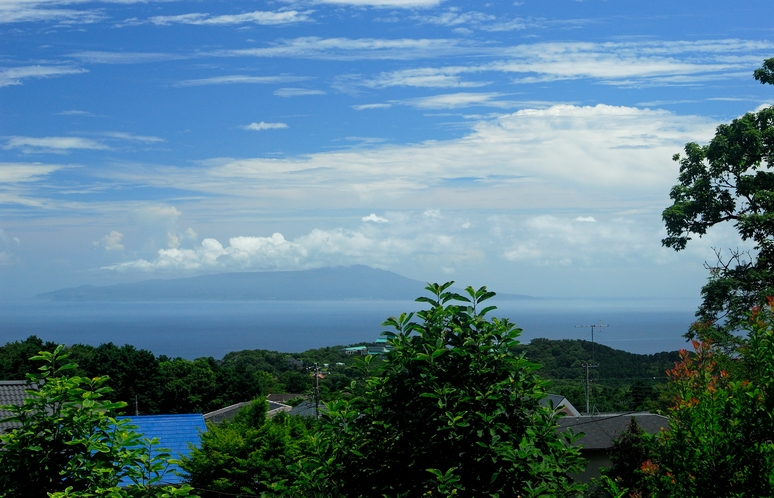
(175,433)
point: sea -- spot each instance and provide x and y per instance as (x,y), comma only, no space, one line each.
(192,329)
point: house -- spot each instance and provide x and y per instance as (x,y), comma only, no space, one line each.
(599,431)
(283,398)
(307,409)
(229,412)
(12,392)
(176,433)
(560,404)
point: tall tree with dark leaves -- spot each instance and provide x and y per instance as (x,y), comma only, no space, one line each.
(729,180)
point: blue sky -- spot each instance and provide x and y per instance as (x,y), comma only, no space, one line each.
(521,145)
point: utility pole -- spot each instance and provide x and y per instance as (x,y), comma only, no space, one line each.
(588,366)
(317,371)
(593,364)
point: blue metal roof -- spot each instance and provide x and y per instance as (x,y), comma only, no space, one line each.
(174,432)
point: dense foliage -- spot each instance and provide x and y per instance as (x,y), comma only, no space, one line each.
(623,382)
(730,180)
(719,442)
(70,443)
(159,384)
(453,409)
(242,454)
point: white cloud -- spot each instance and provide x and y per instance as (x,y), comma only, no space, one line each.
(52,144)
(363,107)
(264,126)
(14,11)
(552,241)
(419,77)
(296,92)
(233,79)
(15,75)
(132,137)
(406,4)
(25,172)
(257,17)
(102,57)
(316,249)
(168,214)
(619,157)
(313,47)
(453,17)
(111,241)
(374,218)
(457,100)
(585,219)
(651,63)
(75,112)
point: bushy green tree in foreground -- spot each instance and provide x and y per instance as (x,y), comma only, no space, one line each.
(240,455)
(721,425)
(453,410)
(70,443)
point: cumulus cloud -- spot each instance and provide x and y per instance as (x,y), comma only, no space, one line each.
(549,240)
(586,219)
(373,244)
(264,126)
(111,241)
(438,239)
(374,218)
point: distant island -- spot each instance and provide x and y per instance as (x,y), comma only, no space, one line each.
(356,282)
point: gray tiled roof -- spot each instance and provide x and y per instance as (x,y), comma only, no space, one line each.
(600,430)
(306,409)
(229,412)
(11,393)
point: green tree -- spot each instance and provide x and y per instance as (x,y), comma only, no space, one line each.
(453,409)
(630,450)
(729,180)
(190,386)
(719,442)
(134,374)
(15,356)
(238,455)
(70,442)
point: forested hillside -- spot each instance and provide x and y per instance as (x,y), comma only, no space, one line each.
(623,381)
(159,384)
